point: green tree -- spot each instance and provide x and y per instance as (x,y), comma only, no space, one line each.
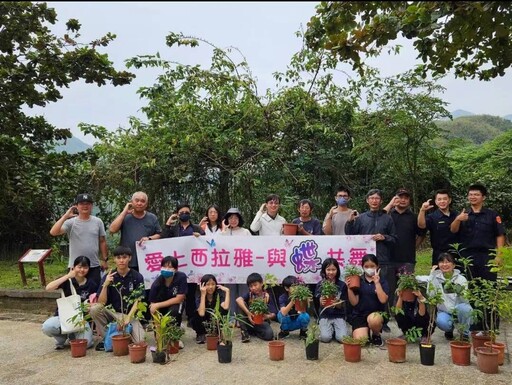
(471,37)
(34,65)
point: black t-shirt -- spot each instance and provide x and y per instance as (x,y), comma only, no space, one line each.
(406,225)
(84,291)
(130,282)
(159,292)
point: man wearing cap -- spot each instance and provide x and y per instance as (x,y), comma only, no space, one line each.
(86,235)
(409,237)
(136,225)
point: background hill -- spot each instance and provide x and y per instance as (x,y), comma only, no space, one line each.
(475,128)
(72,146)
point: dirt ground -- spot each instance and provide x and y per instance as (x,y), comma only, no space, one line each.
(28,357)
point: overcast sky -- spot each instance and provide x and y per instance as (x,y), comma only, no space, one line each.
(263,31)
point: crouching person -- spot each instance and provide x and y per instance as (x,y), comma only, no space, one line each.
(289,318)
(125,280)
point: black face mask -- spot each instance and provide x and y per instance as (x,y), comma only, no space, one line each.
(184,217)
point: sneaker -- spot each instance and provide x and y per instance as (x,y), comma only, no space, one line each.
(59,347)
(181,345)
(448,335)
(100,347)
(283,334)
(302,334)
(201,339)
(386,329)
(245,337)
(377,341)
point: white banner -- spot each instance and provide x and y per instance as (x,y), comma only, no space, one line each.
(232,259)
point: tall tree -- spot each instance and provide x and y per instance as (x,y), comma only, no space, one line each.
(471,37)
(34,65)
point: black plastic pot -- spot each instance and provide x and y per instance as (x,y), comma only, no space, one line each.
(224,352)
(312,350)
(427,354)
(159,357)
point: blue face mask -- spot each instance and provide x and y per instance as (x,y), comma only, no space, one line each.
(342,201)
(167,273)
(185,217)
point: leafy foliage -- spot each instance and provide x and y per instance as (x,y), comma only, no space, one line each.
(312,333)
(328,289)
(258,306)
(477,129)
(300,293)
(443,33)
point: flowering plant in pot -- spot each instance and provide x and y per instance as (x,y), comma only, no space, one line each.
(352,347)
(211,335)
(312,341)
(300,294)
(407,283)
(81,321)
(354,272)
(175,333)
(329,290)
(258,308)
(433,298)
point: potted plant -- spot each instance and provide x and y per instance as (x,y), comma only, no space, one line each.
(433,298)
(407,283)
(461,347)
(352,348)
(397,347)
(80,320)
(211,335)
(312,341)
(300,294)
(121,341)
(275,347)
(161,324)
(258,309)
(353,272)
(328,290)
(175,333)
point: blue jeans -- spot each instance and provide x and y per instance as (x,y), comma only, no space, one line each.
(51,327)
(288,324)
(444,320)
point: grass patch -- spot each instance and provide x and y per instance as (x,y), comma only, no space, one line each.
(10,277)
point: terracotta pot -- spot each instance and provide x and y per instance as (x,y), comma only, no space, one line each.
(173,347)
(301,305)
(500,347)
(78,348)
(290,229)
(352,351)
(355,282)
(120,344)
(328,301)
(211,342)
(478,340)
(487,360)
(461,353)
(257,319)
(137,352)
(396,349)
(276,350)
(408,295)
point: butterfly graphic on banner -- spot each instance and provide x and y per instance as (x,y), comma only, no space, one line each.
(211,243)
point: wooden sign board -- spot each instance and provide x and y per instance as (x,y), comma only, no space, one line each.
(34,256)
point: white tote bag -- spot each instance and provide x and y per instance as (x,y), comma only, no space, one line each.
(68,307)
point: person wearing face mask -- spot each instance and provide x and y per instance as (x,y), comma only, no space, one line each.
(369,302)
(180,225)
(337,217)
(169,290)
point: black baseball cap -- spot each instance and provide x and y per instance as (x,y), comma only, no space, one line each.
(84,198)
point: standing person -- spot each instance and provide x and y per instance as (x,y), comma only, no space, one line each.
(375,221)
(267,220)
(180,225)
(212,221)
(86,235)
(127,281)
(337,217)
(480,231)
(84,287)
(369,301)
(408,237)
(438,223)
(308,225)
(168,291)
(136,225)
(233,222)
(211,292)
(332,318)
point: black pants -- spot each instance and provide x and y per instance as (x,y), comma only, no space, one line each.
(263,331)
(405,322)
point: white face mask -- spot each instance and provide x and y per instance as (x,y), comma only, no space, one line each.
(369,272)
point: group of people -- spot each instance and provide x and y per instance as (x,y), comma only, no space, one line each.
(396,230)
